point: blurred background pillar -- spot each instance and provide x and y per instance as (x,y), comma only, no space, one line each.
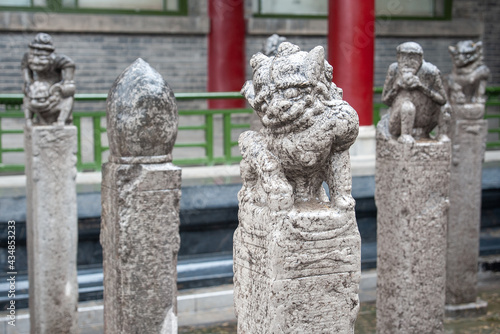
(226,51)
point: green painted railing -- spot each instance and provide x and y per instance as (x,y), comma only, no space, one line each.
(12,103)
(493,101)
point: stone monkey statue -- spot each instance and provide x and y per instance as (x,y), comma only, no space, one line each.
(414,91)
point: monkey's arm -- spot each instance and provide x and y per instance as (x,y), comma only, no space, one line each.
(390,88)
(435,90)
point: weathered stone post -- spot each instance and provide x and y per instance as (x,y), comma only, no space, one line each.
(466,90)
(140,205)
(412,180)
(52,229)
(296,252)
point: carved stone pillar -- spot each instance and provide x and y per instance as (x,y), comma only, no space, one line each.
(412,203)
(140,205)
(464,218)
(466,90)
(296,253)
(412,182)
(51,218)
(52,228)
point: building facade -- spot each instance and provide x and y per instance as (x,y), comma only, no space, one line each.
(103,37)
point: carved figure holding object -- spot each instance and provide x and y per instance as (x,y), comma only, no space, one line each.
(48,83)
(416,96)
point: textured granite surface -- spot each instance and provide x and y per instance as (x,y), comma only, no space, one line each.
(411,195)
(52,230)
(296,252)
(140,205)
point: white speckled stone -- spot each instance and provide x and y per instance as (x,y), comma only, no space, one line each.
(412,183)
(52,229)
(140,240)
(140,206)
(412,178)
(297,255)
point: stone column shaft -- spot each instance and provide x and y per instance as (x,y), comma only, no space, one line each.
(412,183)
(52,228)
(296,272)
(297,252)
(140,239)
(464,220)
(140,205)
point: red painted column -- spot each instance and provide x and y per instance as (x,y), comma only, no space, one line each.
(351,40)
(226,50)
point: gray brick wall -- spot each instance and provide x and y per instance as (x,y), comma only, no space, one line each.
(491,39)
(101,58)
(182,59)
(468,9)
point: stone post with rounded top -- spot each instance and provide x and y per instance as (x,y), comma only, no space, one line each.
(51,219)
(140,205)
(412,181)
(297,252)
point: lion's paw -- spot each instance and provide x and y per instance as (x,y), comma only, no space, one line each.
(280,195)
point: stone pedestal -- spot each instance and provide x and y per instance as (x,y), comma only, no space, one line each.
(52,230)
(140,241)
(469,138)
(412,183)
(296,271)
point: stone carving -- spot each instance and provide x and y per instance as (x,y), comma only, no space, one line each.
(49,88)
(296,253)
(467,82)
(466,89)
(412,182)
(140,205)
(414,91)
(141,129)
(270,48)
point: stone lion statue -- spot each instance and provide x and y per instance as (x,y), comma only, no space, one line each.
(307,131)
(467,82)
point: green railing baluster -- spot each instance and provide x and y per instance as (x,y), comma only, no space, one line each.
(77,123)
(493,94)
(209,138)
(227,137)
(97,142)
(1,145)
